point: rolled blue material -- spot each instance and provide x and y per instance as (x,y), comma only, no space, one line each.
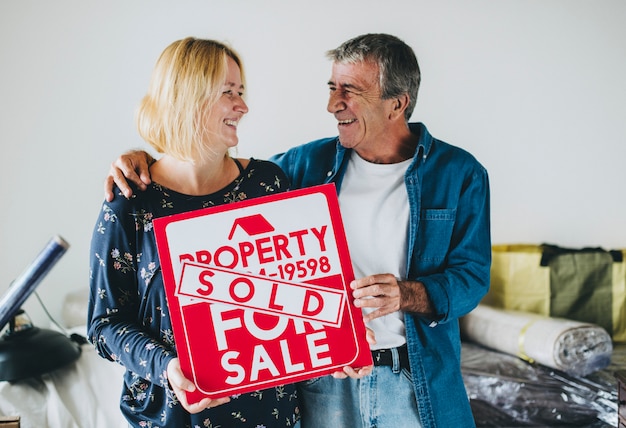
(26,283)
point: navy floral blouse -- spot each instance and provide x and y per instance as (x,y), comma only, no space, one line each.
(128,319)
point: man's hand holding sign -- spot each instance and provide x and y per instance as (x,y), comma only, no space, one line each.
(258,293)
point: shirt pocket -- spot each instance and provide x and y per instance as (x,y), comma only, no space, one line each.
(435,234)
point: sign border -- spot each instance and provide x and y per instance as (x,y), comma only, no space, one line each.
(362,355)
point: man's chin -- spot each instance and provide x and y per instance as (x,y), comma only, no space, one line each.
(345,141)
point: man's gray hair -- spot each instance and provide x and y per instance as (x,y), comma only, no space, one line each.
(397,64)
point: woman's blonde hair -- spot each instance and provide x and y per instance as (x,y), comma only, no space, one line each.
(186,82)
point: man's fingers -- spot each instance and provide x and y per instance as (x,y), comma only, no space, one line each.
(376,291)
(364,371)
(108,188)
(135,167)
(353,373)
(375,314)
(127,172)
(375,285)
(130,167)
(363,282)
(144,176)
(385,303)
(117,176)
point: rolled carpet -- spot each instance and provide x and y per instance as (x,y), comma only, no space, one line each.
(574,347)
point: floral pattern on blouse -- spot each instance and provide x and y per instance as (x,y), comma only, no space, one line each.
(129,321)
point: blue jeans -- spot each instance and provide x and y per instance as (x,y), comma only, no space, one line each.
(383,399)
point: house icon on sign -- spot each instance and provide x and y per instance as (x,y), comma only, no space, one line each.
(253,225)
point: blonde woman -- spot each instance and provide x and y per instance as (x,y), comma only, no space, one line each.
(189,115)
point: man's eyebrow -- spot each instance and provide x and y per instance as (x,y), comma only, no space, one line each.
(344,85)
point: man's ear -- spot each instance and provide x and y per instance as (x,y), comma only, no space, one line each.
(399,105)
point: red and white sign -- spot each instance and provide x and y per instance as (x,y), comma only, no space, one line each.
(258,292)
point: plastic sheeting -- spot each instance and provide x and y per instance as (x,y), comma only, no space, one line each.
(506,391)
(571,346)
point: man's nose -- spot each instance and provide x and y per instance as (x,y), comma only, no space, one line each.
(335,103)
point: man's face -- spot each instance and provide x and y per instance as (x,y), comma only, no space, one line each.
(355,101)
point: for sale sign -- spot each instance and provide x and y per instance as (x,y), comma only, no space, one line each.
(257,292)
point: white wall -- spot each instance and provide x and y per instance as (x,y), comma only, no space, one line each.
(535,89)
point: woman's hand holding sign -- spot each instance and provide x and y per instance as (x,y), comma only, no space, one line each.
(181,385)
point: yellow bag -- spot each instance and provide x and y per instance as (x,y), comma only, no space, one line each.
(587,284)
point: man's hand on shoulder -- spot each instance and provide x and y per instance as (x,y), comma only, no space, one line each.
(131,166)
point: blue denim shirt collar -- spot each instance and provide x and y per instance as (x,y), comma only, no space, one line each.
(424,145)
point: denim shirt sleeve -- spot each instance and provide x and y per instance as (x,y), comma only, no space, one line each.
(452,254)
(311,164)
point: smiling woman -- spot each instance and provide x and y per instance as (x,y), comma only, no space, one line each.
(190,115)
(192,89)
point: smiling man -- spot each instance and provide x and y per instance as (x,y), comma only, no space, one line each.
(416,214)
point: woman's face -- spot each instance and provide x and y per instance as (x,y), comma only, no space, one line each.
(222,120)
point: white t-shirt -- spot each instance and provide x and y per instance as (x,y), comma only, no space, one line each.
(375,212)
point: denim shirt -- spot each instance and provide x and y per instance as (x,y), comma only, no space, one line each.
(449,251)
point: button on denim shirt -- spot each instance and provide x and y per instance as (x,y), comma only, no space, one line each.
(449,251)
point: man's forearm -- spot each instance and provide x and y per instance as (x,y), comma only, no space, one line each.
(414,298)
